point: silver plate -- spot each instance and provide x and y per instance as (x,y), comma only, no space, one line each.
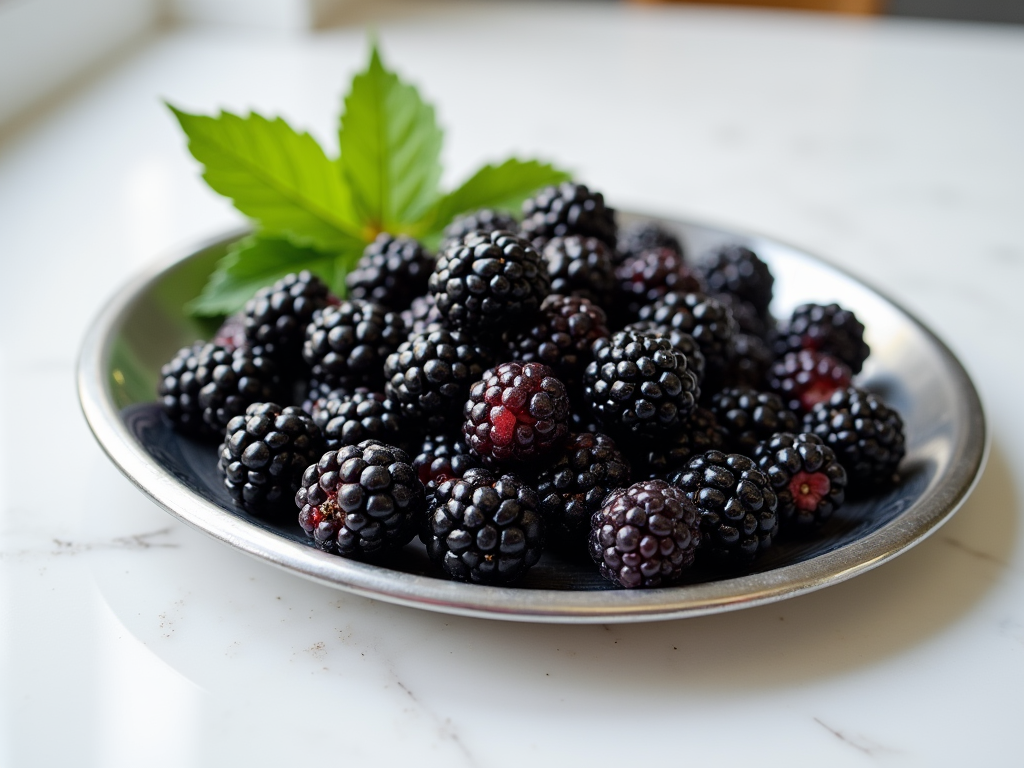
(909,366)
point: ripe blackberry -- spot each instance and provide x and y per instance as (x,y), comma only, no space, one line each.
(645,278)
(700,433)
(206,385)
(277,316)
(487,283)
(484,220)
(580,266)
(315,391)
(516,413)
(346,345)
(866,435)
(737,270)
(561,337)
(747,319)
(349,418)
(750,362)
(443,457)
(568,209)
(392,271)
(573,487)
(805,378)
(808,481)
(646,236)
(430,374)
(361,500)
(824,328)
(738,508)
(749,416)
(265,452)
(422,315)
(484,528)
(681,340)
(645,535)
(638,384)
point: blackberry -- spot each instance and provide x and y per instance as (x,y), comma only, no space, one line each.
(638,384)
(681,340)
(646,236)
(824,328)
(568,209)
(206,385)
(392,271)
(484,528)
(750,362)
(231,334)
(561,337)
(700,433)
(443,457)
(580,266)
(737,270)
(430,375)
(516,413)
(738,507)
(808,481)
(866,435)
(749,416)
(645,535)
(805,378)
(487,283)
(277,316)
(265,452)
(422,315)
(361,500)
(747,318)
(315,391)
(573,487)
(349,418)
(483,220)
(346,345)
(645,278)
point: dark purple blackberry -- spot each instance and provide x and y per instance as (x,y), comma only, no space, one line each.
(638,384)
(561,338)
(824,328)
(206,385)
(866,435)
(349,418)
(265,452)
(807,479)
(277,316)
(443,457)
(488,283)
(681,340)
(805,378)
(568,209)
(738,508)
(580,266)
(422,315)
(646,236)
(430,375)
(484,220)
(659,458)
(346,345)
(483,528)
(392,272)
(645,535)
(645,278)
(361,500)
(574,485)
(750,362)
(749,416)
(737,270)
(517,412)
(747,319)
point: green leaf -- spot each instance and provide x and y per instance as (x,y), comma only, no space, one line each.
(390,150)
(280,178)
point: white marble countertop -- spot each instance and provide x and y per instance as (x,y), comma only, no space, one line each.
(891,147)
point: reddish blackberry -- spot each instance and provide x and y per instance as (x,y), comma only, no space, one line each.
(346,345)
(824,328)
(483,528)
(638,384)
(561,337)
(206,385)
(516,413)
(568,209)
(866,435)
(573,487)
(265,452)
(580,266)
(681,340)
(737,270)
(488,282)
(646,236)
(422,315)
(749,416)
(361,500)
(349,418)
(805,378)
(807,479)
(645,535)
(276,316)
(392,272)
(750,362)
(231,334)
(443,457)
(738,508)
(484,220)
(430,375)
(648,276)
(700,433)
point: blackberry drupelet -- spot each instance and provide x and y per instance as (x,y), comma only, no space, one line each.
(276,316)
(518,412)
(866,435)
(681,340)
(805,378)
(737,270)
(483,220)
(443,457)
(738,507)
(750,362)
(824,328)
(749,416)
(645,535)
(361,500)
(346,345)
(265,452)
(422,315)
(639,384)
(349,418)
(231,334)
(581,266)
(659,458)
(808,480)
(646,236)
(392,271)
(483,528)
(487,283)
(648,276)
(568,209)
